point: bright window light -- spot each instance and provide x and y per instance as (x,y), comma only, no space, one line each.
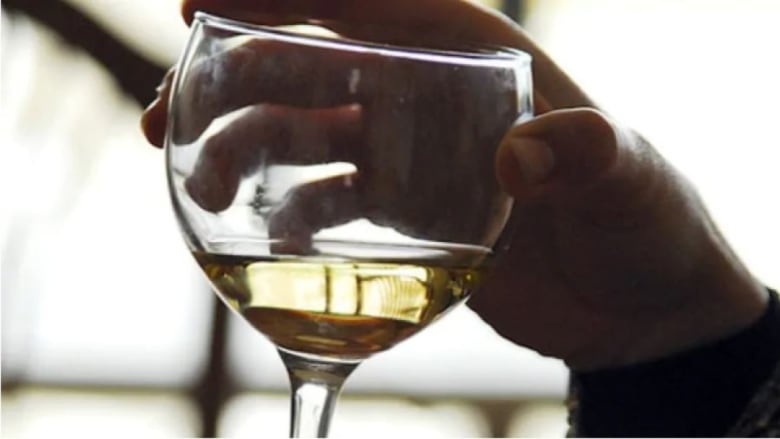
(46,413)
(97,284)
(539,419)
(267,415)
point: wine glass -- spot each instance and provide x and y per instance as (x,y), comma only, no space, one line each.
(339,195)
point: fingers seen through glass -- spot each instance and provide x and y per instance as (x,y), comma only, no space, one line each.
(310,207)
(270,134)
(272,72)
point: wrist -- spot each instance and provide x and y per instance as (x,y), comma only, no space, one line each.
(718,299)
(722,299)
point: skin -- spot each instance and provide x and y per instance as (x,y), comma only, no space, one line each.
(613,258)
(410,140)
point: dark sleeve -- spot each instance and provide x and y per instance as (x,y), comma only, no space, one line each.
(704,392)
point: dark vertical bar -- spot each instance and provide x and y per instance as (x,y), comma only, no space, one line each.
(514,9)
(214,387)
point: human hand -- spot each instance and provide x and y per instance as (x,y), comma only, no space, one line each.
(414,132)
(613,259)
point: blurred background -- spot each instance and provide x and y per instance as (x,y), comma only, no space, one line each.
(109,329)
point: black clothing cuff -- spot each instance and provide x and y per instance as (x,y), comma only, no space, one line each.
(697,393)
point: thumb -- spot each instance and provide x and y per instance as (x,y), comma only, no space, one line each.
(581,159)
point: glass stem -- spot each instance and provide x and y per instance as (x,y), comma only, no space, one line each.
(315,386)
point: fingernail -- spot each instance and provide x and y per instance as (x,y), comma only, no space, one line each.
(534,158)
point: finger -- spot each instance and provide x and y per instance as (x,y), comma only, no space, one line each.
(581,159)
(310,208)
(255,72)
(420,22)
(263,71)
(270,134)
(154,118)
(286,73)
(277,72)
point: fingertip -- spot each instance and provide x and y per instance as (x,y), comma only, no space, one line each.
(534,158)
(153,123)
(557,153)
(523,165)
(154,119)
(152,126)
(586,142)
(212,195)
(188,8)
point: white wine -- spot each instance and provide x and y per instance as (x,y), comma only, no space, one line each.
(337,309)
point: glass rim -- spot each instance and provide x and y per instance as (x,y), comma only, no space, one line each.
(483,54)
